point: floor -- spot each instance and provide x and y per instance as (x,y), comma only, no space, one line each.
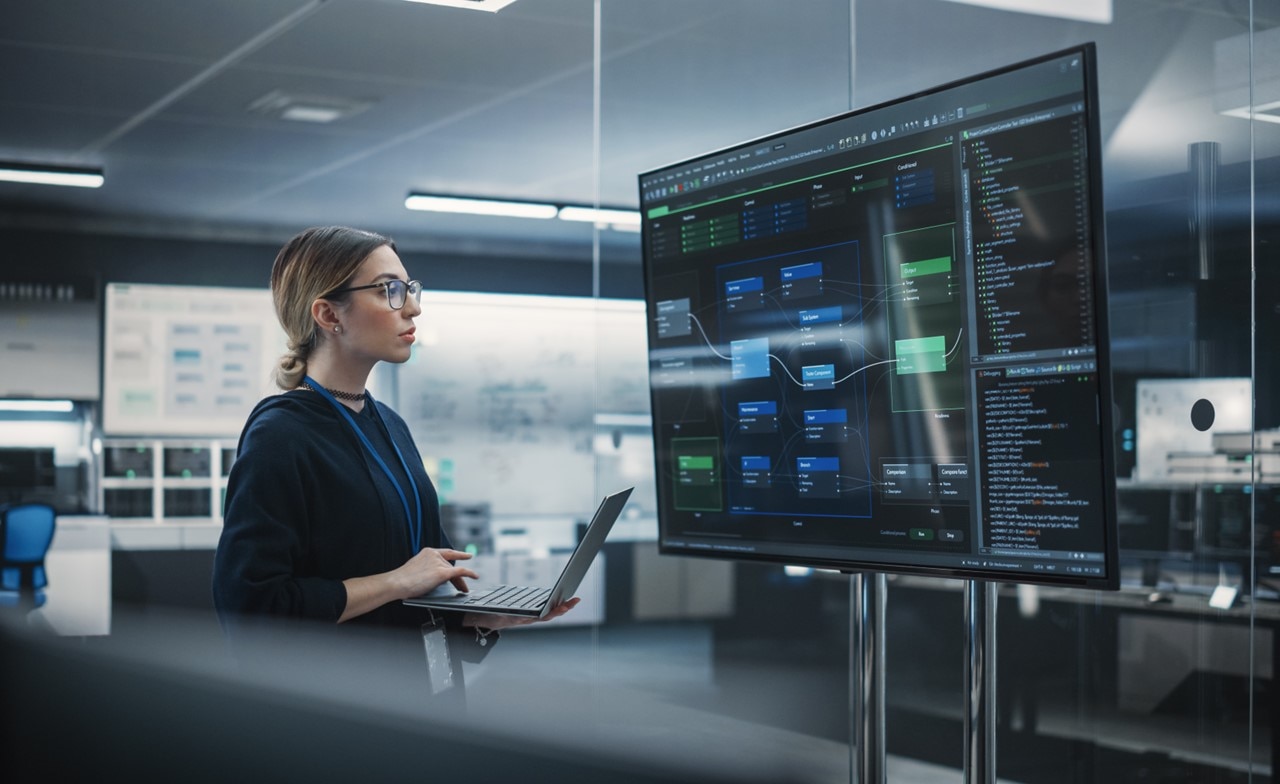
(735,708)
(655,686)
(664,685)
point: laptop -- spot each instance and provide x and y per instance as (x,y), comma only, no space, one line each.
(525,601)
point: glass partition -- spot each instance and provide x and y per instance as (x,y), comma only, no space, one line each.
(1161,679)
(1167,678)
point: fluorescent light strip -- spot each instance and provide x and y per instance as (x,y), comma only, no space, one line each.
(69,177)
(619,220)
(40,406)
(624,420)
(507,209)
(593,215)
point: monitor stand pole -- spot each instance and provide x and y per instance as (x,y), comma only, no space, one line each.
(866,678)
(980,682)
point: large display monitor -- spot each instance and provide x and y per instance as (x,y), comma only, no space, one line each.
(878,342)
(186,360)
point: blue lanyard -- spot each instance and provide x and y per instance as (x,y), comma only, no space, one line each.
(415,534)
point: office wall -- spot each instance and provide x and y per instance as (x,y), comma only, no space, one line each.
(53,256)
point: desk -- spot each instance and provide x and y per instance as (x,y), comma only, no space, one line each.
(1140,650)
(176,534)
(78,598)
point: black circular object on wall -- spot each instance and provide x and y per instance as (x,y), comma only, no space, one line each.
(1202,415)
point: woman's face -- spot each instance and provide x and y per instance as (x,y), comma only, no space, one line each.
(370,327)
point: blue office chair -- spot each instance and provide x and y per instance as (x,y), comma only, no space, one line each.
(26,531)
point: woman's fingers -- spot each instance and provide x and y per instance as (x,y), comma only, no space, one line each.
(453,555)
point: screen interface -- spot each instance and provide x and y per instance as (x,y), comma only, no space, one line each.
(877,342)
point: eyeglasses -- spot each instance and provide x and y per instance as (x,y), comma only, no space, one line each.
(396,291)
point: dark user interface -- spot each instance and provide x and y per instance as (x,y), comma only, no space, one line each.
(874,340)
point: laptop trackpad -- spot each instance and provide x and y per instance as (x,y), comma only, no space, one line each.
(448,592)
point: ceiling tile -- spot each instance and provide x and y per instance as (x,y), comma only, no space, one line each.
(433,44)
(396,106)
(95,82)
(50,134)
(200,31)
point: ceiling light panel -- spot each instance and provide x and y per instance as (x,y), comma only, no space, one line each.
(1098,11)
(1246,71)
(491,6)
(298,107)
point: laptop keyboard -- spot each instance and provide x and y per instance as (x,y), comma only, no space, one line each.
(512,597)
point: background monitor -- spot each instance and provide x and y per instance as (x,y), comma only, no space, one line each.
(185,360)
(878,342)
(23,470)
(129,462)
(187,462)
(31,475)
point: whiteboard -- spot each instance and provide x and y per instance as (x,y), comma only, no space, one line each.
(503,394)
(186,360)
(536,405)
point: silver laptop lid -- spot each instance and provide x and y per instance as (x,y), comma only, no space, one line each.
(601,523)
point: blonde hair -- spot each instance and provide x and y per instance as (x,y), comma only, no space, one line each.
(307,268)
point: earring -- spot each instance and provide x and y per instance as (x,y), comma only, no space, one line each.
(337,328)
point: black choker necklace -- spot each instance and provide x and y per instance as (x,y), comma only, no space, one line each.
(351,396)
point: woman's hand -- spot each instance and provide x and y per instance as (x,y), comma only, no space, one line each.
(423,572)
(487,621)
(428,570)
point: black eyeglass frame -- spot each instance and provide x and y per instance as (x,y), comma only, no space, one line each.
(409,290)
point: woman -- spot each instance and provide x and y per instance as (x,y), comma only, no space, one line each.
(329,513)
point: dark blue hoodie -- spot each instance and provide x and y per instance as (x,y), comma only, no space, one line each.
(308,507)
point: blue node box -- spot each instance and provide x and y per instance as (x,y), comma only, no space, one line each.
(750,358)
(818,377)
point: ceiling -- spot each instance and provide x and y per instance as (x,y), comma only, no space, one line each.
(159,93)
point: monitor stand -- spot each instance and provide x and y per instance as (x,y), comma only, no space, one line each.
(980,682)
(866,678)
(867,593)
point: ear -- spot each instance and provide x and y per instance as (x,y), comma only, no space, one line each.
(325,315)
